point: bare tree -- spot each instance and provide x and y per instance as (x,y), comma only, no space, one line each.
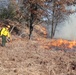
(57,13)
(32,11)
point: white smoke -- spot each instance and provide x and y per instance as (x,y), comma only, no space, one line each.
(67,30)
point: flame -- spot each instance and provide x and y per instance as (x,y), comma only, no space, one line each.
(53,43)
(56,43)
(65,44)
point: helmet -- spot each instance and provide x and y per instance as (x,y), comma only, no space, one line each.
(8,26)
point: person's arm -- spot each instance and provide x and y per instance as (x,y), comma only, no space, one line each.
(8,35)
(2,31)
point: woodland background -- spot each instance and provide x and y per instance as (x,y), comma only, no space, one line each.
(33,49)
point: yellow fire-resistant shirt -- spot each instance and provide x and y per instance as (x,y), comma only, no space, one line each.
(5,32)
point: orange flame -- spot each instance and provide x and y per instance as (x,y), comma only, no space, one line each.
(53,43)
(60,43)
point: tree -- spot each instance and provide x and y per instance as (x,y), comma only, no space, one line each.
(32,11)
(32,8)
(57,13)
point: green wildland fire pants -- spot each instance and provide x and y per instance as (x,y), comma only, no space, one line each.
(3,40)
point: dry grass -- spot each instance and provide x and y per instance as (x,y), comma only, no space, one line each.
(26,57)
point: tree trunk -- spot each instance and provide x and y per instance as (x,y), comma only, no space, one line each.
(31,25)
(52,27)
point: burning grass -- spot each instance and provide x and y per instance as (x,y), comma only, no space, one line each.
(58,44)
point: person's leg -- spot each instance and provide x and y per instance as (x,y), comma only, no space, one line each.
(3,40)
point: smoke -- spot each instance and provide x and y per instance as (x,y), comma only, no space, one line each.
(67,30)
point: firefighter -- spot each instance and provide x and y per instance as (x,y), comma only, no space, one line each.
(5,34)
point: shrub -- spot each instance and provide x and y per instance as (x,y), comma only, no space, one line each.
(7,13)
